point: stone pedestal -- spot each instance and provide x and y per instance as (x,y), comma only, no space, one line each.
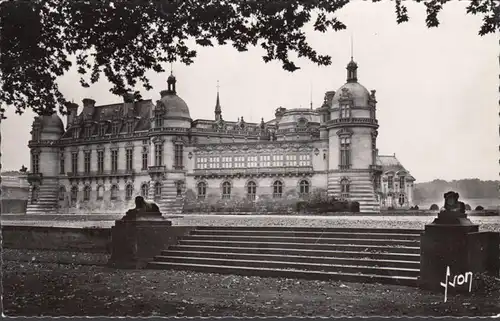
(135,241)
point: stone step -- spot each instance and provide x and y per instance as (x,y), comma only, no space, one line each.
(314,229)
(289,273)
(313,234)
(313,240)
(360,261)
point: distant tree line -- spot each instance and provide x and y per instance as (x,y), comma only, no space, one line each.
(467,188)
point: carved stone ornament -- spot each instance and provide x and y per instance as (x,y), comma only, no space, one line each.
(316,151)
(344,132)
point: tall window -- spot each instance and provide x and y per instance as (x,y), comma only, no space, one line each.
(76,132)
(401,199)
(145,158)
(115,128)
(178,156)
(129,190)
(251,190)
(226,190)
(157,191)
(86,193)
(74,193)
(130,127)
(158,121)
(374,150)
(86,162)
(345,152)
(304,187)
(62,191)
(202,190)
(36,134)
(100,192)
(144,190)
(277,189)
(129,159)
(35,163)
(100,161)
(345,111)
(158,155)
(178,187)
(88,131)
(102,130)
(114,192)
(401,183)
(34,194)
(390,182)
(74,162)
(344,189)
(61,162)
(114,161)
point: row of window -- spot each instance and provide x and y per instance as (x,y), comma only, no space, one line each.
(102,129)
(251,189)
(390,182)
(252,161)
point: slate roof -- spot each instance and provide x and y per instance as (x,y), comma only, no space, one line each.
(390,163)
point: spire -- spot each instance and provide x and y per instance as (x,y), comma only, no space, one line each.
(311,96)
(352,67)
(218,109)
(171,81)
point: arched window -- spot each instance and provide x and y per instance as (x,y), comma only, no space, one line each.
(86,193)
(226,190)
(344,189)
(251,190)
(202,190)
(144,190)
(129,190)
(157,191)
(277,189)
(114,192)
(100,192)
(34,194)
(304,187)
(62,192)
(74,193)
(401,199)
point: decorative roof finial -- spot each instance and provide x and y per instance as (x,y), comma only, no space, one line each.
(352,47)
(311,95)
(171,68)
(218,109)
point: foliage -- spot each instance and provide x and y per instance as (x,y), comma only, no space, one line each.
(467,207)
(324,204)
(467,188)
(122,39)
(479,208)
(434,207)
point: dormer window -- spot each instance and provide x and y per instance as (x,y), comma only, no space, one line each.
(76,133)
(345,111)
(158,121)
(102,129)
(36,134)
(130,127)
(88,131)
(115,128)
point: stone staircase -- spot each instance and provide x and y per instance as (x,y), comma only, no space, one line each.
(389,256)
(361,190)
(48,197)
(170,203)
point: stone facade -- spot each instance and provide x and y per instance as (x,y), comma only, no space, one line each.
(106,155)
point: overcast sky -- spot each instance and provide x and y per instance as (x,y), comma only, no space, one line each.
(437,89)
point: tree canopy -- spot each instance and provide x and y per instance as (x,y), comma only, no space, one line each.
(123,39)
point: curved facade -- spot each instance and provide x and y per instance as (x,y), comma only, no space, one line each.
(109,154)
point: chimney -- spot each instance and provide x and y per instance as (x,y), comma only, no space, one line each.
(128,104)
(72,109)
(88,103)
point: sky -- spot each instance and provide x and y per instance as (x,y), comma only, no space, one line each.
(437,89)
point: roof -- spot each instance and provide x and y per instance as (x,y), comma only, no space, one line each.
(390,163)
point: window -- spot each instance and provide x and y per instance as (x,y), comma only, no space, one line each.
(345,153)
(178,187)
(252,161)
(74,162)
(158,154)
(390,182)
(227,162)
(76,133)
(115,128)
(401,182)
(305,160)
(34,194)
(202,190)
(88,131)
(36,134)
(35,163)
(61,162)
(100,192)
(86,193)
(304,187)
(114,161)
(86,162)
(265,161)
(277,160)
(102,129)
(401,199)
(345,111)
(157,191)
(158,121)
(291,160)
(239,162)
(251,190)
(62,192)
(277,189)
(114,192)
(130,127)
(129,157)
(374,150)
(178,156)
(144,190)
(201,162)
(74,193)
(214,162)
(129,190)
(100,161)
(145,158)
(226,190)
(344,189)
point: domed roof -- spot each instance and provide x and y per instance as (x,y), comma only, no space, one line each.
(52,123)
(299,115)
(357,91)
(175,105)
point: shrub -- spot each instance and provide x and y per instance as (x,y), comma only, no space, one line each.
(416,207)
(479,208)
(434,207)
(467,207)
(323,204)
(390,208)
